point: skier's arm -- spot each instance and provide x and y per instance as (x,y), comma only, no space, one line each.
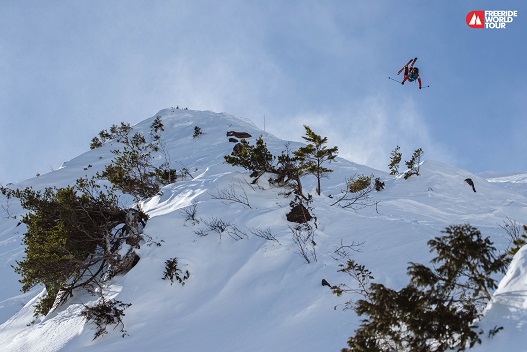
(419,80)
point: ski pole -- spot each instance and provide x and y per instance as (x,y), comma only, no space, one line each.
(426,87)
(394,80)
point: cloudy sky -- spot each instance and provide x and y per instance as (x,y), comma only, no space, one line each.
(69,69)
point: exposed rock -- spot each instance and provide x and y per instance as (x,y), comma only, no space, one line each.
(471,183)
(238,134)
(299,214)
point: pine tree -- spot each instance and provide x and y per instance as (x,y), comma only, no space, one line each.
(132,171)
(116,132)
(72,239)
(257,158)
(288,172)
(394,161)
(439,308)
(157,125)
(414,164)
(314,155)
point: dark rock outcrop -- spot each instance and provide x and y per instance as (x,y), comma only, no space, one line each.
(299,214)
(471,183)
(238,134)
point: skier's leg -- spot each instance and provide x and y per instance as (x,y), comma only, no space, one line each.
(405,66)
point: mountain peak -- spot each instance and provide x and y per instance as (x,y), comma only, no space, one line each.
(249,283)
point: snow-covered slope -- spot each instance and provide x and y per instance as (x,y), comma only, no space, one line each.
(255,294)
(516,182)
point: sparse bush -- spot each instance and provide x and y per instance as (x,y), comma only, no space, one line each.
(266,234)
(359,183)
(172,272)
(379,186)
(220,226)
(197,132)
(304,239)
(232,194)
(190,212)
(106,313)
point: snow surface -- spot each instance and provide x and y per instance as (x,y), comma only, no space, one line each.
(254,294)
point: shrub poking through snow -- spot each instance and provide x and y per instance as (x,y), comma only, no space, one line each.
(106,313)
(379,185)
(197,132)
(173,273)
(359,183)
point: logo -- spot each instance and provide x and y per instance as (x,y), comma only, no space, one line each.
(490,19)
(476,19)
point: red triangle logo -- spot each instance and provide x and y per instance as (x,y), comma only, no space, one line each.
(476,19)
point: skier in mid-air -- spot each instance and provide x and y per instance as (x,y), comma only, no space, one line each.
(411,73)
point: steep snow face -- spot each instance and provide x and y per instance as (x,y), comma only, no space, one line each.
(508,309)
(245,292)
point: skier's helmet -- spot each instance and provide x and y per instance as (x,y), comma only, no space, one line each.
(416,70)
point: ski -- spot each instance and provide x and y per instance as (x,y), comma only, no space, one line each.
(410,63)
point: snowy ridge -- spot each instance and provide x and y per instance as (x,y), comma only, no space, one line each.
(253,294)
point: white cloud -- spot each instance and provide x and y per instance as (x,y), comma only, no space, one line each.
(367,131)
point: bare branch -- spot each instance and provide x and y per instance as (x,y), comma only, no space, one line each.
(304,238)
(190,212)
(343,250)
(264,233)
(232,194)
